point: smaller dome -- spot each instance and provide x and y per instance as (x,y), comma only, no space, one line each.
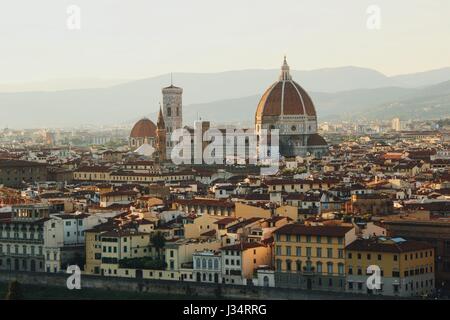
(143,128)
(316,140)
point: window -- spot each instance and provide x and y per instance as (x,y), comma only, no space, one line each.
(341,268)
(349,255)
(308,251)
(395,257)
(379,257)
(330,252)
(350,270)
(319,252)
(319,239)
(278,264)
(278,250)
(330,268)
(319,267)
(288,250)
(298,251)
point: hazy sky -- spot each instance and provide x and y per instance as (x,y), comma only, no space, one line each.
(141,38)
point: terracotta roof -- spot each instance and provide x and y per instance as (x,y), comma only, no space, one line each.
(316,140)
(389,245)
(143,128)
(300,229)
(243,246)
(225,221)
(286,97)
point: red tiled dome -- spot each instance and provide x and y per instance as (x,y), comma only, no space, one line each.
(285,97)
(143,128)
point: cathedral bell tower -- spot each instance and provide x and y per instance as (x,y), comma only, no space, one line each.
(172,113)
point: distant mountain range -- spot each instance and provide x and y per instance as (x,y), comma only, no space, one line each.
(347,92)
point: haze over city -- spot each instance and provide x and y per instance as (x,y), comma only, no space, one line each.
(118,41)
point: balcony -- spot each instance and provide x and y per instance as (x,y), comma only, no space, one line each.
(309,271)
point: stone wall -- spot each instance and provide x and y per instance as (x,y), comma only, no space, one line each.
(190,289)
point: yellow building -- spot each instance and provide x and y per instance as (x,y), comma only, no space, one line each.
(240,261)
(200,225)
(407,266)
(122,244)
(92,173)
(311,256)
(93,248)
(247,211)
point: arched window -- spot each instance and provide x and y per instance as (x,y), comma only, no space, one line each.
(299,266)
(210,277)
(197,263)
(341,268)
(330,267)
(319,267)
(203,263)
(216,264)
(210,264)
(288,265)
(278,265)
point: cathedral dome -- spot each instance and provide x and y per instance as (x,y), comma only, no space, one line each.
(285,97)
(144,128)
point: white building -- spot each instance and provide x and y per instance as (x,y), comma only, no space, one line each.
(64,239)
(396,124)
(207,266)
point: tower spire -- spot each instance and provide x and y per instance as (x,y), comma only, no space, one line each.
(160,122)
(285,71)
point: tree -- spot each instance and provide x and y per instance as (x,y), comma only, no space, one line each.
(158,241)
(14,291)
